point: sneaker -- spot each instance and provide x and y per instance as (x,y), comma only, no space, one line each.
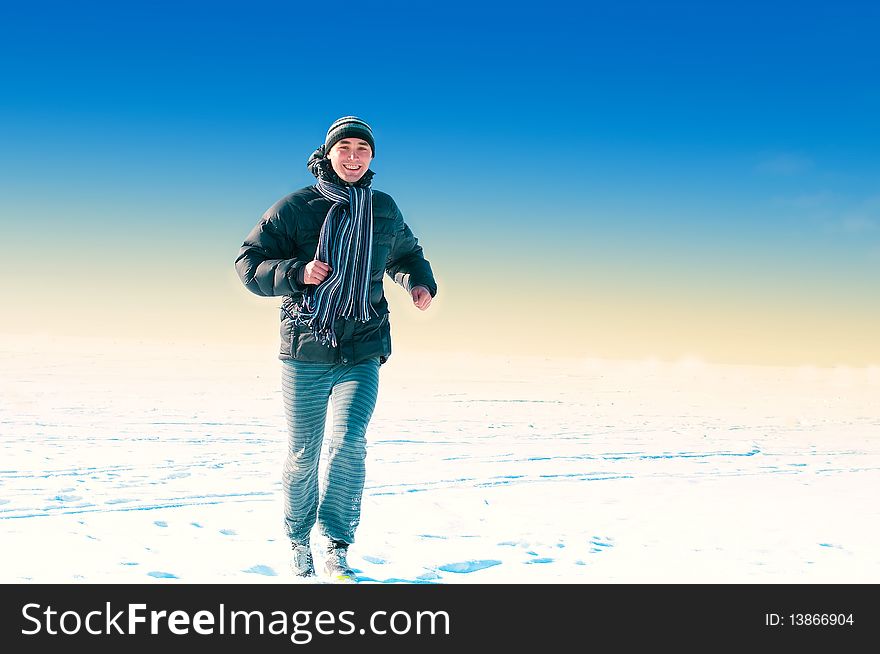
(301,565)
(335,564)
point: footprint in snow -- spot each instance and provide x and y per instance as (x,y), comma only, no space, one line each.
(162,575)
(464,567)
(600,543)
(62,497)
(262,570)
(374,559)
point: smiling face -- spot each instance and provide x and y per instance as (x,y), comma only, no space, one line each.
(350,158)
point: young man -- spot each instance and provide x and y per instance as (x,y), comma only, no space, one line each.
(325,249)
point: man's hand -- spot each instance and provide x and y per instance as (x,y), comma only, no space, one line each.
(315,272)
(421,297)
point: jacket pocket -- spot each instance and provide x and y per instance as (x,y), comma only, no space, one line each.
(294,340)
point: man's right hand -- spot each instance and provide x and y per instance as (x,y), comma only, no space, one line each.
(315,272)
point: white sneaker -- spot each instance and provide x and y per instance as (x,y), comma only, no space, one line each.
(302,565)
(335,564)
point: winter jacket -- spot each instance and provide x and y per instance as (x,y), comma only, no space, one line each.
(286,238)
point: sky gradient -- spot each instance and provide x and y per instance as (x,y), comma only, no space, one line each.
(640,180)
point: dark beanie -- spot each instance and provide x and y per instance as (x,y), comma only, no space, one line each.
(349,127)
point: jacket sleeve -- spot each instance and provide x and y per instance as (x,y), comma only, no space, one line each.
(264,263)
(406,262)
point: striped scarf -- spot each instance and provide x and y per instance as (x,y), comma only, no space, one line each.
(346,244)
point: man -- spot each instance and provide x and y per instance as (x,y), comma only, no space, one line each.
(325,248)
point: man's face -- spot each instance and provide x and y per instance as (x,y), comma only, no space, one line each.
(350,158)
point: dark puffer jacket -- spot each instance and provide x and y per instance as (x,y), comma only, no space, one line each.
(286,239)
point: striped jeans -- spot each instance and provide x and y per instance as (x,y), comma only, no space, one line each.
(336,502)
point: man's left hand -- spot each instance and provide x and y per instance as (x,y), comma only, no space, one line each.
(421,297)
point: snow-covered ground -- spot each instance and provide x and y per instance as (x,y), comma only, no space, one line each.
(136,462)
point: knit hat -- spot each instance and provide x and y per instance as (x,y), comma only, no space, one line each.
(349,127)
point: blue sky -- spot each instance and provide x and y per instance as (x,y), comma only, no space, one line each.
(589,155)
